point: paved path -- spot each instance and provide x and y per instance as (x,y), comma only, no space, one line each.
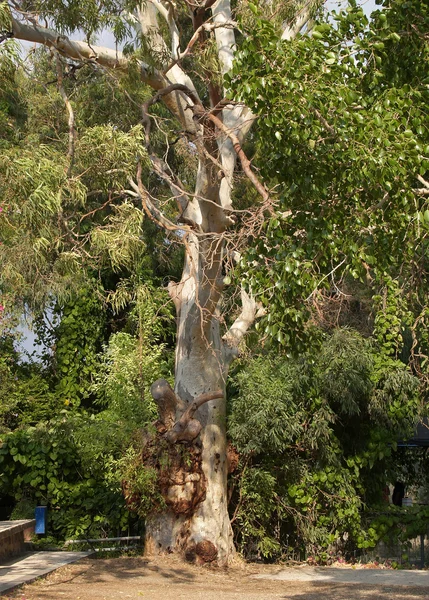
(349,575)
(27,568)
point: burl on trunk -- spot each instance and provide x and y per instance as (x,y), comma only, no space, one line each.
(189,455)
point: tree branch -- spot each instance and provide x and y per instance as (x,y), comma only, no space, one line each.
(225,36)
(245,162)
(187,428)
(167,402)
(75,49)
(249,312)
(197,36)
(150,27)
(167,13)
(291,30)
(150,209)
(111,59)
(423,181)
(174,183)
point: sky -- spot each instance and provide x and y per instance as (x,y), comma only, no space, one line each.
(107,39)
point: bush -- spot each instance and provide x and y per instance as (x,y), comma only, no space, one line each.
(316,437)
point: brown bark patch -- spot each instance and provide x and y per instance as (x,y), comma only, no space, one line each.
(232,457)
(206,551)
(182,481)
(202,553)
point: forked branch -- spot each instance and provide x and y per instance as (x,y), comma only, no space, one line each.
(250,311)
(245,162)
(187,428)
(166,401)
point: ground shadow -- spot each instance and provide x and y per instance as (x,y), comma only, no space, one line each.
(131,567)
(341,591)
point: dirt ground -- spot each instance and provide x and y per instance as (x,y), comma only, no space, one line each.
(167,578)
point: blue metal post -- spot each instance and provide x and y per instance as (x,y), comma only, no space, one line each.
(40,516)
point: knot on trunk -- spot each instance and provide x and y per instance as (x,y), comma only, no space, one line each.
(170,474)
(176,420)
(182,482)
(201,553)
(164,476)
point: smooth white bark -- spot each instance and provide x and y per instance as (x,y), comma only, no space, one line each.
(290,31)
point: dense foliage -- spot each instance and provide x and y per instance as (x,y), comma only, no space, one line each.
(68,424)
(342,140)
(316,436)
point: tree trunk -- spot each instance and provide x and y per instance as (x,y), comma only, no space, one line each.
(203,533)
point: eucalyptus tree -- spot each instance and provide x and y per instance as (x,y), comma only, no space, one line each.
(181,51)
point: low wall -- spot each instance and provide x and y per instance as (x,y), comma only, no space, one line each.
(13,535)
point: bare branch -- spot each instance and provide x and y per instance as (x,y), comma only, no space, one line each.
(150,27)
(245,162)
(150,209)
(423,181)
(75,49)
(324,122)
(291,30)
(176,186)
(105,57)
(250,311)
(326,277)
(180,87)
(197,36)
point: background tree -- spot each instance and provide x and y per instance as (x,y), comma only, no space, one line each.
(317,437)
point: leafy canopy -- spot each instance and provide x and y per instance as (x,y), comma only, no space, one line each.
(343,132)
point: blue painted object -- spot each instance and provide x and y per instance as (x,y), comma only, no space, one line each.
(40,516)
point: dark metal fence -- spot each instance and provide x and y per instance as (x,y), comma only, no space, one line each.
(412,553)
